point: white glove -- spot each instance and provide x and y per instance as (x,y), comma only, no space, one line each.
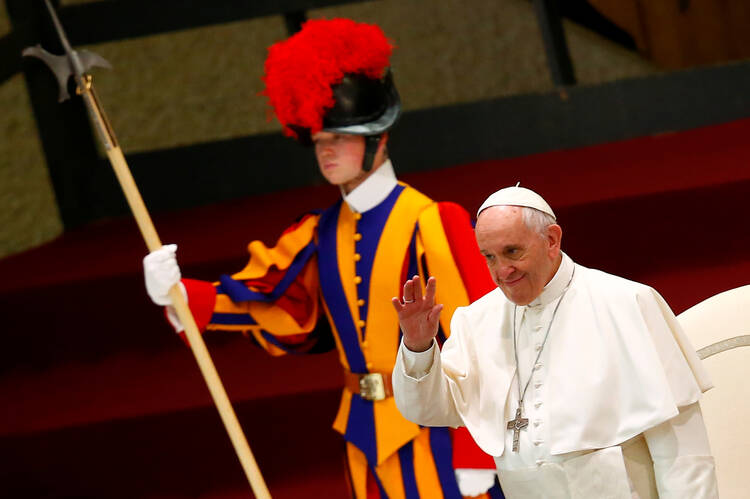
(474,482)
(161,272)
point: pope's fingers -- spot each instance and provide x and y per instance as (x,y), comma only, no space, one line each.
(408,294)
(431,288)
(417,288)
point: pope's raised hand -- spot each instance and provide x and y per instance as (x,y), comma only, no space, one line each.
(418,314)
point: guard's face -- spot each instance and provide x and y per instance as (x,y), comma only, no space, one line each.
(520,260)
(339,157)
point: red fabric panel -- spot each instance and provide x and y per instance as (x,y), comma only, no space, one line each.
(201,299)
(466,453)
(471,265)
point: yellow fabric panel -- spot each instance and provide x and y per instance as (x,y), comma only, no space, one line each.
(450,287)
(399,430)
(428,482)
(357,463)
(281,255)
(385,280)
(342,417)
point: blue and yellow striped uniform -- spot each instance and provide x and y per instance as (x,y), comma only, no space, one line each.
(348,265)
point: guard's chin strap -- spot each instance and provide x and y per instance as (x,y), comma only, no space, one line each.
(371,148)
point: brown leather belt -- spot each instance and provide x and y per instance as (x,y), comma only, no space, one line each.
(371,386)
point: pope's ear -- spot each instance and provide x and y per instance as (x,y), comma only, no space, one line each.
(554,236)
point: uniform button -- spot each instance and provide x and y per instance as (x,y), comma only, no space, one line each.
(538,404)
(538,327)
(537,384)
(357,257)
(538,347)
(357,236)
(538,442)
(357,280)
(539,462)
(369,365)
(364,344)
(357,216)
(537,366)
(361,323)
(361,302)
(537,422)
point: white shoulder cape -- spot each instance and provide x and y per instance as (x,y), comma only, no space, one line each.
(619,364)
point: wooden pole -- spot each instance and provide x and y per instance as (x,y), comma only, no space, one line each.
(85,88)
(197,345)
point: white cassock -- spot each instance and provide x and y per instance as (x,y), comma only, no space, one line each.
(616,367)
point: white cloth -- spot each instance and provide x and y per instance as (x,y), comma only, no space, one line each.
(683,465)
(615,364)
(161,272)
(373,190)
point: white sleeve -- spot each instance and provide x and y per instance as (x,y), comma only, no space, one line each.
(683,464)
(418,364)
(423,397)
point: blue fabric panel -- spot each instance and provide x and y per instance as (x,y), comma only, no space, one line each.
(406,456)
(232,319)
(496,492)
(238,292)
(360,428)
(442,453)
(371,227)
(333,292)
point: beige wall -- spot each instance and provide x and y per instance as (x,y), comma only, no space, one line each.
(202,84)
(28,211)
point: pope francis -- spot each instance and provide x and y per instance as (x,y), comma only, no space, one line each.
(580,383)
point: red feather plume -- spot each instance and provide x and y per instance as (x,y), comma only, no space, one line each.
(300,70)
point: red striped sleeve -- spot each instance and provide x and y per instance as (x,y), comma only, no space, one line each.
(463,244)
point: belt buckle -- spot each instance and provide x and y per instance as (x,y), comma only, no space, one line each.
(371,386)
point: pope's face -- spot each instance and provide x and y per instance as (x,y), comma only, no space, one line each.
(340,158)
(520,260)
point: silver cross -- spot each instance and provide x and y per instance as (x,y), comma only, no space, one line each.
(517,425)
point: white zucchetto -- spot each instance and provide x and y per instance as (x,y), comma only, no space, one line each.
(517,196)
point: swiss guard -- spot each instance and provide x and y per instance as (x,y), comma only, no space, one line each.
(331,86)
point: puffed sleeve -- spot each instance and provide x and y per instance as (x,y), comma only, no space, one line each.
(273,300)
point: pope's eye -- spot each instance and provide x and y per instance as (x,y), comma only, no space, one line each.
(512,252)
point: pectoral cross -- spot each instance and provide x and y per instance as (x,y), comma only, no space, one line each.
(517,425)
